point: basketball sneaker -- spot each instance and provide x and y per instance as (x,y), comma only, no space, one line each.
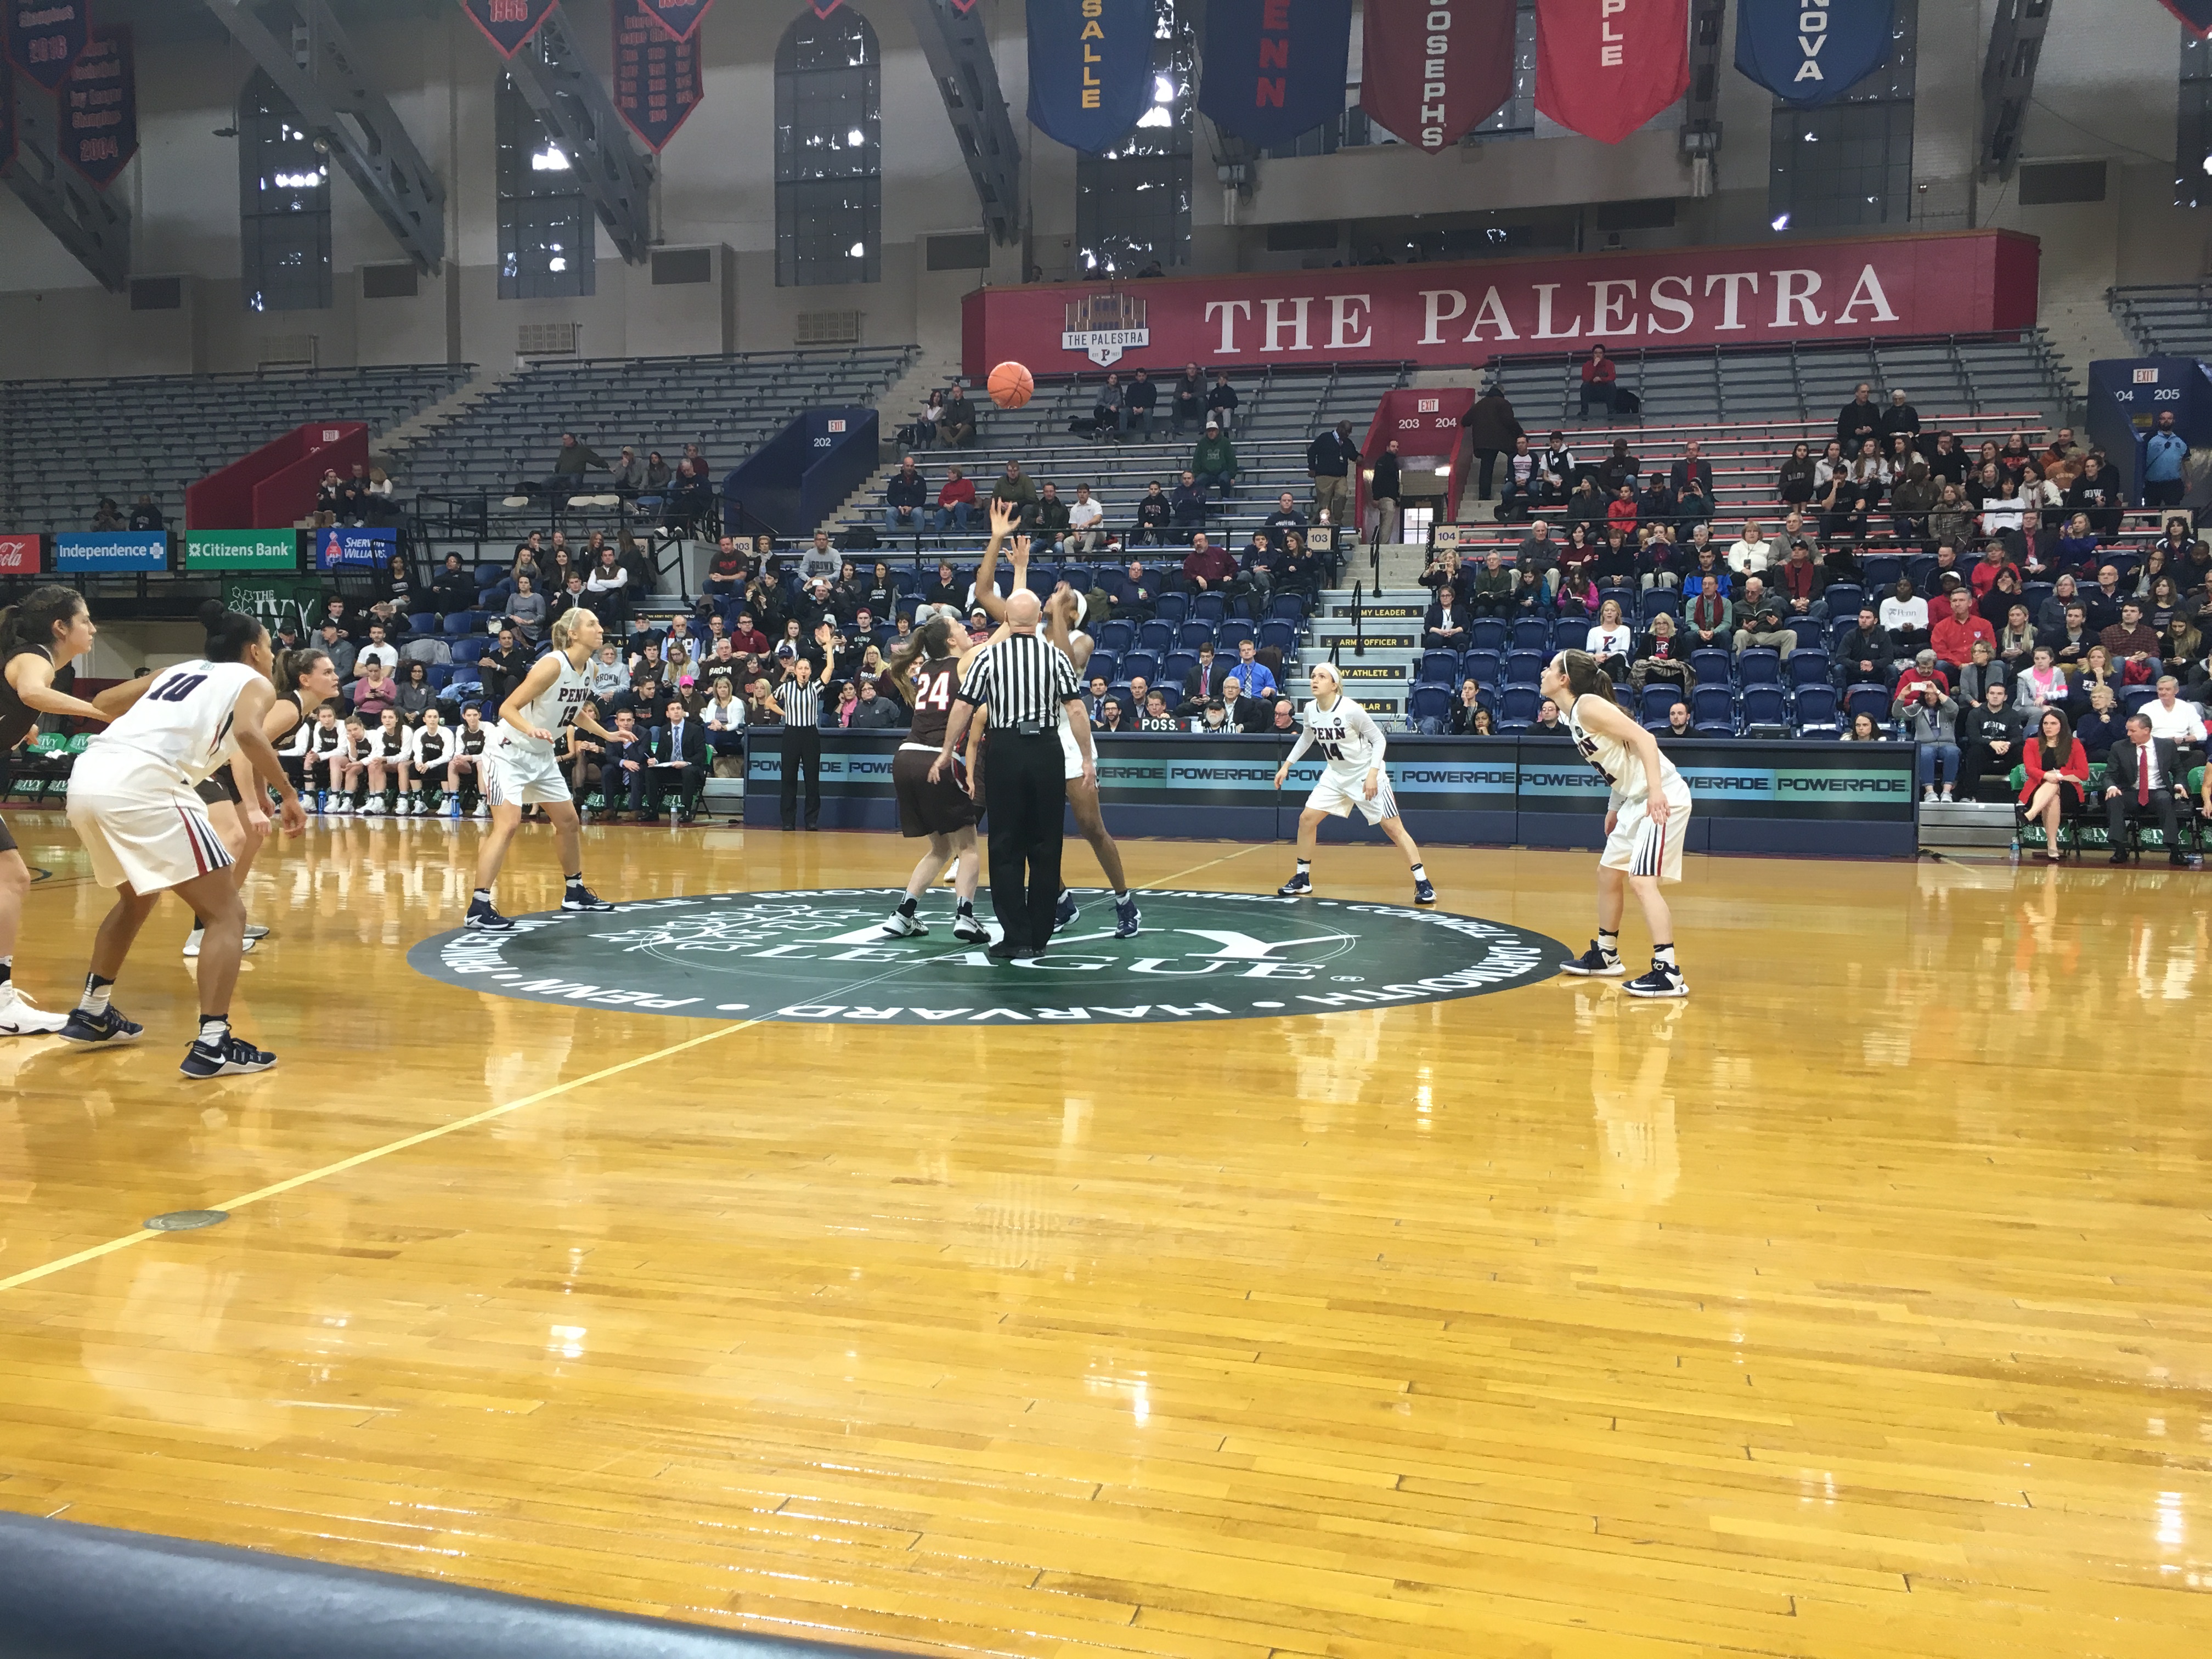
(106,1027)
(1665,980)
(1126,917)
(373,807)
(1424,891)
(254,931)
(21,1016)
(967,929)
(235,1058)
(253,937)
(1597,962)
(580,898)
(482,811)
(905,924)
(1297,887)
(1064,915)
(482,919)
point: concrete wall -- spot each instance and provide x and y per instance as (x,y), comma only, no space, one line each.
(2106,89)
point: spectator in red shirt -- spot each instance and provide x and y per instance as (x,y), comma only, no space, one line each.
(1620,511)
(956,502)
(1207,567)
(2134,645)
(1984,574)
(1923,667)
(1953,636)
(2057,763)
(1598,374)
(745,639)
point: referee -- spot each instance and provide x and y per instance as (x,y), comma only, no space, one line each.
(799,700)
(1028,686)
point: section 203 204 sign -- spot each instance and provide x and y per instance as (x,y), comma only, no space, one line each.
(821,957)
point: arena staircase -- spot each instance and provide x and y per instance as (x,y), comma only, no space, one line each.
(2166,319)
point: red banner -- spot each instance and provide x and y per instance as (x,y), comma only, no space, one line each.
(19,555)
(1768,293)
(658,78)
(1606,67)
(1432,71)
(100,107)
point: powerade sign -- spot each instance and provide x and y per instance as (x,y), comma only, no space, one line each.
(340,548)
(242,549)
(117,550)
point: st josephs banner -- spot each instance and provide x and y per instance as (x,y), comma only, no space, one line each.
(508,24)
(1090,70)
(1274,68)
(657,79)
(1606,67)
(1432,71)
(46,36)
(1811,51)
(100,108)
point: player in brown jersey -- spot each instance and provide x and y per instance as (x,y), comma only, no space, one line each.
(945,811)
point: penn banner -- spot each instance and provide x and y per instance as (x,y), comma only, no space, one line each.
(1432,71)
(46,36)
(657,79)
(100,108)
(1606,67)
(679,17)
(1090,70)
(1812,51)
(508,24)
(1274,70)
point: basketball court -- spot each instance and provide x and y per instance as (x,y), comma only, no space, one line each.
(1330,1279)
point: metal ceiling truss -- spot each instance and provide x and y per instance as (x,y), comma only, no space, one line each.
(85,220)
(298,44)
(2008,82)
(581,119)
(958,49)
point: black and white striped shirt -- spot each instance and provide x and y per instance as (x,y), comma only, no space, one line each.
(1024,678)
(802,704)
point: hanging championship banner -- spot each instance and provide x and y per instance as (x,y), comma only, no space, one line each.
(7,113)
(1090,70)
(46,36)
(508,24)
(100,107)
(1811,51)
(1273,69)
(2196,16)
(1606,67)
(822,10)
(657,83)
(679,17)
(1432,71)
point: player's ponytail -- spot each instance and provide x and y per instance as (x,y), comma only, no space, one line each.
(33,620)
(567,624)
(933,640)
(293,666)
(1583,677)
(229,632)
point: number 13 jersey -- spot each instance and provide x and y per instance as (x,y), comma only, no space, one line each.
(186,721)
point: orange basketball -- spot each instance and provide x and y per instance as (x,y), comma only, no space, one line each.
(1012,385)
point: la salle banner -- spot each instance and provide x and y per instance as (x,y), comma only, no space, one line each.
(1811,51)
(46,36)
(1432,71)
(1768,293)
(100,107)
(658,81)
(1274,70)
(1090,70)
(1606,67)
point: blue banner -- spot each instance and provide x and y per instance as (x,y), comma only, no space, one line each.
(2196,16)
(100,108)
(1090,70)
(1811,51)
(508,24)
(120,549)
(340,548)
(1274,70)
(46,36)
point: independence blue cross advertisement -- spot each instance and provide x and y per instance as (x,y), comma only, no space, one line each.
(119,550)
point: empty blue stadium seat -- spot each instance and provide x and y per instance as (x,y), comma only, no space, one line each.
(1808,665)
(1287,607)
(1486,633)
(422,622)
(1232,634)
(1517,707)
(1765,705)
(1209,607)
(1623,597)
(1845,599)
(1881,571)
(1713,704)
(1438,668)
(1868,698)
(1156,635)
(439,674)
(1658,599)
(490,576)
(1712,664)
(1759,665)
(1532,633)
(2134,697)
(1485,668)
(1115,636)
(1141,663)
(1429,709)
(1192,634)
(1816,709)
(1105,663)
(1570,633)
(1172,608)
(1658,699)
(1281,634)
(1176,666)
(458,622)
(1524,667)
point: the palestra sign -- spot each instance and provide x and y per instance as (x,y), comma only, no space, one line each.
(1765,293)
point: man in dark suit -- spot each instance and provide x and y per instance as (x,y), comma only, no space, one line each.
(679,759)
(623,765)
(1692,468)
(1243,713)
(2142,777)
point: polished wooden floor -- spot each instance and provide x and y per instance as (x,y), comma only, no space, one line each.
(1860,1306)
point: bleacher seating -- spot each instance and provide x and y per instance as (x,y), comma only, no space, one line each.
(69,442)
(2166,319)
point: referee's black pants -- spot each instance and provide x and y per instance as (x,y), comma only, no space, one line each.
(1025,794)
(802,747)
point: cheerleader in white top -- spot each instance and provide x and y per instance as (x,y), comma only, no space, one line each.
(1645,820)
(1353,746)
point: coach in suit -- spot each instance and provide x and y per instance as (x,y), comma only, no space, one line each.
(679,758)
(2142,777)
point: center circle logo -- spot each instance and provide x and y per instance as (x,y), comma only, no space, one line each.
(823,957)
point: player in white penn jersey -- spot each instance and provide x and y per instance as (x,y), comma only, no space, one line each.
(522,768)
(1353,746)
(132,800)
(1646,821)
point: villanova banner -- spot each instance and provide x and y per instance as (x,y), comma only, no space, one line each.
(1273,69)
(1606,67)
(2196,16)
(1431,70)
(100,108)
(679,17)
(508,24)
(1090,70)
(46,36)
(657,79)
(1812,52)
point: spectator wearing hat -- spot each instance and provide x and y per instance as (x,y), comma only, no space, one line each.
(1213,462)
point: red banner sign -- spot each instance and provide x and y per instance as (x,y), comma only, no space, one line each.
(1431,70)
(1606,67)
(19,555)
(100,107)
(1768,293)
(658,78)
